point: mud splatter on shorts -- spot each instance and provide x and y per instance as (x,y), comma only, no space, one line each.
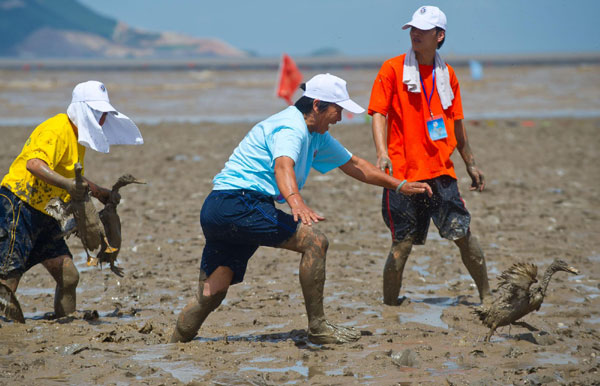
(27,236)
(410,215)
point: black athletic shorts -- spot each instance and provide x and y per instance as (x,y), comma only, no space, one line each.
(409,216)
(27,236)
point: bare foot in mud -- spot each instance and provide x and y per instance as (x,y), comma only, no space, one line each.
(328,333)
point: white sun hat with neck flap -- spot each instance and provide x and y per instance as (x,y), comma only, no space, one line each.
(330,88)
(427,17)
(89,102)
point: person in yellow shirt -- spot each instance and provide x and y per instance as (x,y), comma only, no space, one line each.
(46,169)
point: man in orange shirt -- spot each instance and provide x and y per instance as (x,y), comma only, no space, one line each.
(417,124)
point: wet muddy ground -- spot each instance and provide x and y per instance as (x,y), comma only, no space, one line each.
(541,202)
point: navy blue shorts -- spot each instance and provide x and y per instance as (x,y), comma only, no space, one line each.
(235,223)
(27,236)
(409,216)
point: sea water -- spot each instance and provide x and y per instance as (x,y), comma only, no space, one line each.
(29,96)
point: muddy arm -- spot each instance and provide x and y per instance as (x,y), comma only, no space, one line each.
(41,170)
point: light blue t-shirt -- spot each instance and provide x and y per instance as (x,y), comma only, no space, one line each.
(252,164)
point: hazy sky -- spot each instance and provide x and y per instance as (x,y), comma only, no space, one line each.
(368,27)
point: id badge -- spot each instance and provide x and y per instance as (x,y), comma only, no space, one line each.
(436,128)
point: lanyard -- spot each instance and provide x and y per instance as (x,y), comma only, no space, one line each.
(428,99)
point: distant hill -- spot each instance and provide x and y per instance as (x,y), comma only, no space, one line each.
(68,29)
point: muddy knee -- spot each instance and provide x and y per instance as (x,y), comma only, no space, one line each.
(320,241)
(70,275)
(399,254)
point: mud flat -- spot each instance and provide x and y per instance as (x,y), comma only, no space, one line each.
(541,202)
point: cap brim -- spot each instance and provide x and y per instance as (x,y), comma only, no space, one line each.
(101,106)
(351,106)
(420,24)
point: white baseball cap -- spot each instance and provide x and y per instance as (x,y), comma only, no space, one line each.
(330,88)
(427,17)
(94,94)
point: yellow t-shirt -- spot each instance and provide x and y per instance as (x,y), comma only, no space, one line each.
(54,142)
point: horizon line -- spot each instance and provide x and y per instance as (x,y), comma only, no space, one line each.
(269,63)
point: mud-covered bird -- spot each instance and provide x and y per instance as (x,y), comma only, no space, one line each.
(80,216)
(517,294)
(112,225)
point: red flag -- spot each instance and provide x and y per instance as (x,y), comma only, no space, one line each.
(289,78)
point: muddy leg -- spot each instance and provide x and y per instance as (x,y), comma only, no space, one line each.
(66,276)
(9,305)
(211,292)
(393,269)
(473,259)
(11,282)
(490,333)
(313,246)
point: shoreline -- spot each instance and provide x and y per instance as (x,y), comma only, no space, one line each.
(360,120)
(272,63)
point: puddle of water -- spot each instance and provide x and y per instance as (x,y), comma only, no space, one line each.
(588,289)
(335,372)
(276,326)
(34,315)
(442,301)
(372,312)
(492,270)
(449,367)
(262,359)
(184,371)
(552,358)
(421,270)
(297,368)
(595,257)
(368,253)
(355,305)
(429,315)
(336,296)
(32,291)
(593,320)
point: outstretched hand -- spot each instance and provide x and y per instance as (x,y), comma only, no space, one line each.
(411,188)
(303,213)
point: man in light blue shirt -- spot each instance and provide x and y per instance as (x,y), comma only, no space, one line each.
(282,135)
(272,163)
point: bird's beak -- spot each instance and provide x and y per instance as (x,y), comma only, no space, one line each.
(572,270)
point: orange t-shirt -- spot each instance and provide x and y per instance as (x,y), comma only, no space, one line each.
(414,156)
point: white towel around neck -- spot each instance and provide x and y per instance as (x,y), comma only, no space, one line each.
(411,78)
